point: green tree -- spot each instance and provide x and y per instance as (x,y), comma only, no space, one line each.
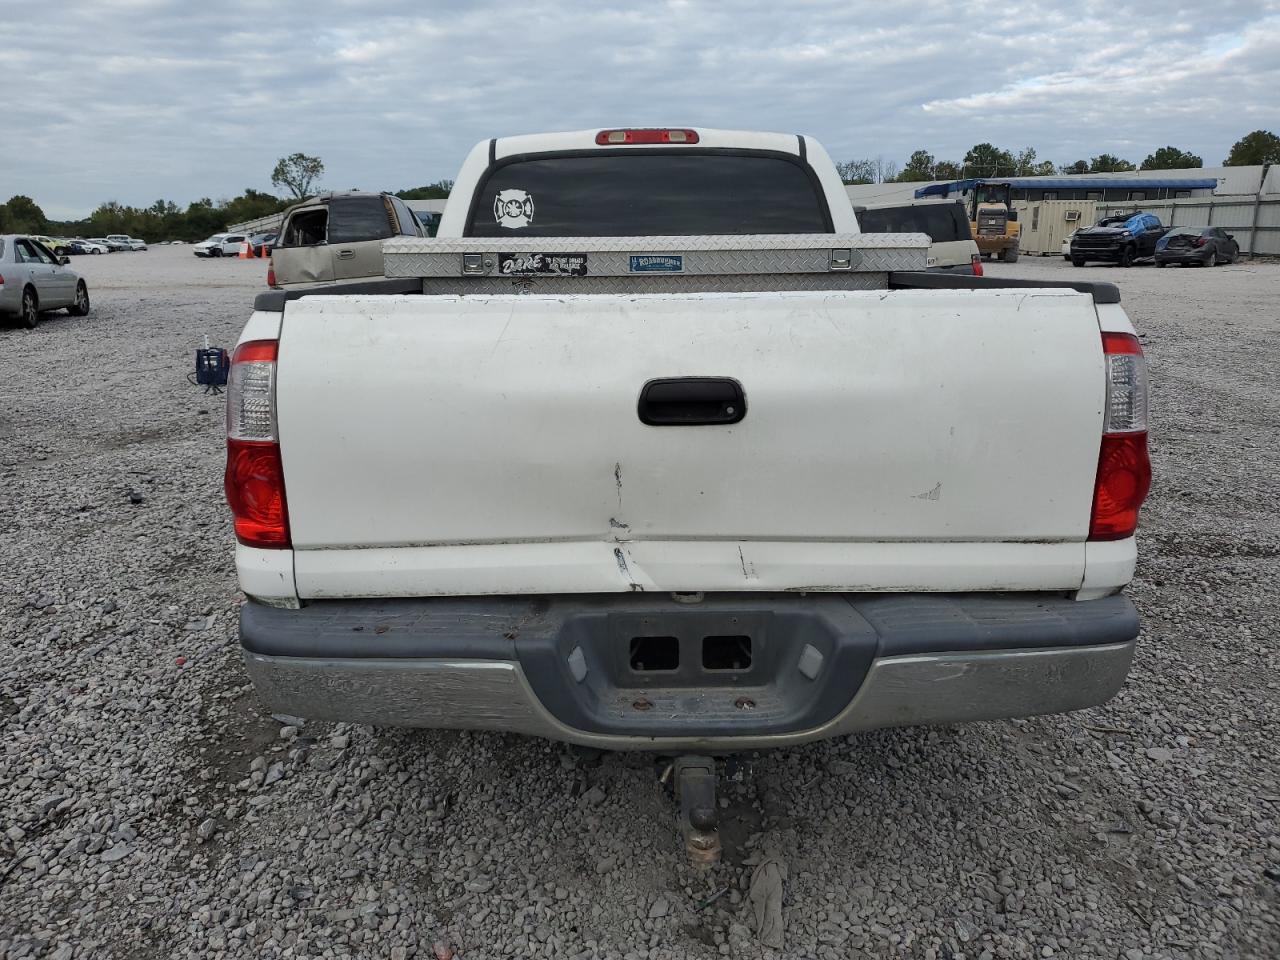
(109,217)
(1106,163)
(23,215)
(1171,158)
(919,167)
(202,219)
(946,170)
(432,191)
(1044,168)
(988,160)
(1025,162)
(1261,146)
(297,172)
(251,205)
(857,171)
(1080,166)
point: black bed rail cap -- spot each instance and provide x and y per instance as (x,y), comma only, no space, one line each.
(273,301)
(908,280)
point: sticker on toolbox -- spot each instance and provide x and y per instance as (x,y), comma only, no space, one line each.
(543,264)
(513,209)
(657,263)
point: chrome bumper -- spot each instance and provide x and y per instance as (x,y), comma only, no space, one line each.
(929,688)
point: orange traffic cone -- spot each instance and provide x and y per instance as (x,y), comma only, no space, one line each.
(246,251)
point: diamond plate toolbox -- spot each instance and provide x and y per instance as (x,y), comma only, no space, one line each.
(655,263)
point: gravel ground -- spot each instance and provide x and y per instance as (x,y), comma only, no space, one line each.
(148,807)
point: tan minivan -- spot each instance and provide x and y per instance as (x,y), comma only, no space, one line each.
(337,237)
(953,248)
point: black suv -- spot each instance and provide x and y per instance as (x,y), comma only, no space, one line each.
(1121,240)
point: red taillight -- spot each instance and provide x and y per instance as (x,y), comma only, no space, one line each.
(976,260)
(255,491)
(256,351)
(1124,467)
(622,138)
(1124,477)
(1199,241)
(255,475)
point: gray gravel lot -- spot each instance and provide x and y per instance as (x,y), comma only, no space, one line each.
(149,809)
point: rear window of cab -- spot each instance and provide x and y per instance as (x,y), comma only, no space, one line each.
(649,194)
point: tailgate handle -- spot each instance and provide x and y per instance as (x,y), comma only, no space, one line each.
(692,401)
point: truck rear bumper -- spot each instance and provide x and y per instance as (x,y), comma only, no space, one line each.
(733,672)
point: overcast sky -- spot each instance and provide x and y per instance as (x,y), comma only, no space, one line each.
(136,100)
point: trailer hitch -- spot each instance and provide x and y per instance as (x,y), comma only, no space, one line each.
(695,789)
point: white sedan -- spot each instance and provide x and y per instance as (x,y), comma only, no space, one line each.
(219,245)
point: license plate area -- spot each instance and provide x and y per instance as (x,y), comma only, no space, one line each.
(655,666)
(696,649)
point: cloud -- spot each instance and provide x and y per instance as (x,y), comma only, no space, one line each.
(162,98)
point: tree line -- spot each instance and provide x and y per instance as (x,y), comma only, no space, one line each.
(988,160)
(297,174)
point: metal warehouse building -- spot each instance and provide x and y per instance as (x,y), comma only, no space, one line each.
(1244,200)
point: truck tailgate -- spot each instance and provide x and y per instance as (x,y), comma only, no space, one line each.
(902,440)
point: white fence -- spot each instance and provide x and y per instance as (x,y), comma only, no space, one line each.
(261,225)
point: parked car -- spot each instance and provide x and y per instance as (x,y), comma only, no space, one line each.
(1202,246)
(114,246)
(35,280)
(338,236)
(944,221)
(125,242)
(87,246)
(262,243)
(797,495)
(429,220)
(1121,240)
(58,246)
(219,245)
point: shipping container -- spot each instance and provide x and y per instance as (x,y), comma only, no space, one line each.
(1046,223)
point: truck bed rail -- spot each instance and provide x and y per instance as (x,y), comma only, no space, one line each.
(1101,292)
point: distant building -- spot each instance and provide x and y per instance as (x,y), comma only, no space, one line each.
(1102,187)
(1134,186)
(426,206)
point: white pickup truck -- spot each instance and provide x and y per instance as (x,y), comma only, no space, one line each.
(649,448)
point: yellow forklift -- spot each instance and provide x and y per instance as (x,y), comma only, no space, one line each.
(992,218)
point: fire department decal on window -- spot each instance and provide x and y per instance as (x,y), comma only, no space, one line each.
(513,209)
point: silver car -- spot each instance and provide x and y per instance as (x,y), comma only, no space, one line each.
(34,281)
